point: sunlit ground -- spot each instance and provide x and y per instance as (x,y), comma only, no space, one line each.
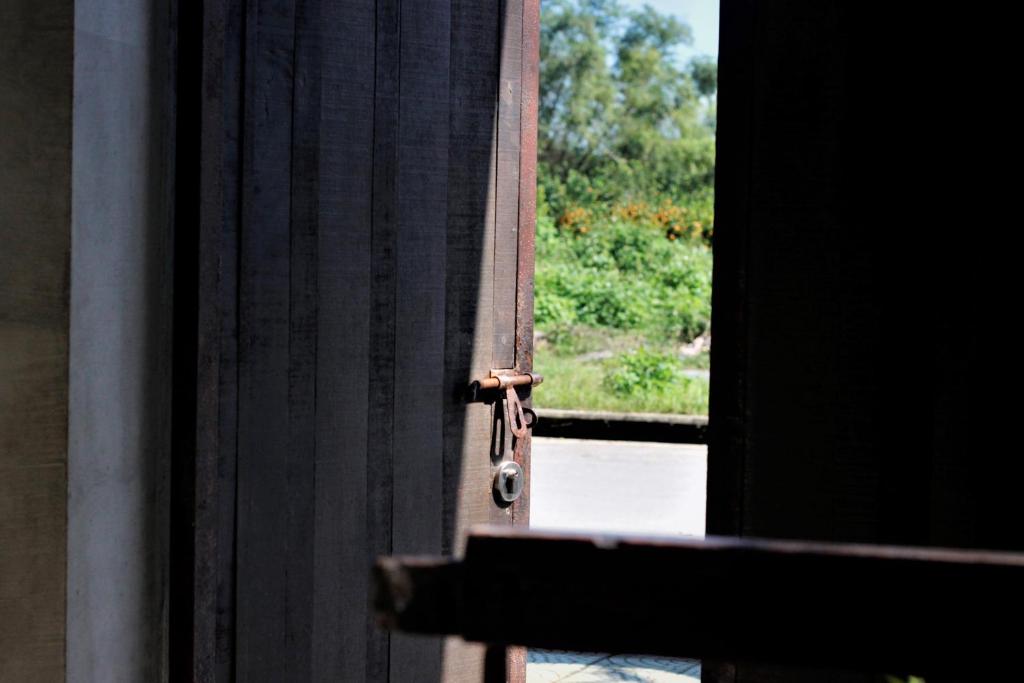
(616,487)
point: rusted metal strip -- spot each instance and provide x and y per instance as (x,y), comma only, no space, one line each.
(504,381)
(869,608)
(514,418)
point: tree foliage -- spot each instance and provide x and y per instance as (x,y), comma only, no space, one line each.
(620,119)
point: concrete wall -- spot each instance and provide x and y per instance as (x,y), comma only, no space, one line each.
(84,339)
(119,429)
(35,238)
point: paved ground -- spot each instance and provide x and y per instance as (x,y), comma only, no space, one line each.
(547,667)
(619,487)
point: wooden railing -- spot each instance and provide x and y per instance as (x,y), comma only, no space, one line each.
(953,613)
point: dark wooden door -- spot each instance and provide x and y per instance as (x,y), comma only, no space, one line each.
(849,402)
(354,247)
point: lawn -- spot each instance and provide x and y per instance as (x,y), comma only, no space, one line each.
(620,373)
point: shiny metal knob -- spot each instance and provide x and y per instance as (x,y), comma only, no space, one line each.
(509,480)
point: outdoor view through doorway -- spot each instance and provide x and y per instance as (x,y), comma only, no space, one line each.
(625,225)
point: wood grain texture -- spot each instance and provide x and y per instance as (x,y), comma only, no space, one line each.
(516,657)
(264,491)
(527,224)
(195,595)
(470,257)
(470,286)
(621,594)
(342,541)
(206,407)
(362,255)
(302,342)
(422,185)
(228,121)
(506,197)
(381,389)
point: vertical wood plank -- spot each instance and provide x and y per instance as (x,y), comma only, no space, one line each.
(264,335)
(420,305)
(516,657)
(230,120)
(527,222)
(506,238)
(470,263)
(342,618)
(381,385)
(214,86)
(198,600)
(302,343)
(470,287)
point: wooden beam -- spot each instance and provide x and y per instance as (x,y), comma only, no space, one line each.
(613,426)
(868,608)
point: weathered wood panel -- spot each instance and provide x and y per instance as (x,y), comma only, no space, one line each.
(420,293)
(344,394)
(265,635)
(205,431)
(470,284)
(382,348)
(303,340)
(362,251)
(506,212)
(760,600)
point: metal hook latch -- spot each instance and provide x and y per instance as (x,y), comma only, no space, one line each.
(515,414)
(509,478)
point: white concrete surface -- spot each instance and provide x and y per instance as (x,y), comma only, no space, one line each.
(618,486)
(548,667)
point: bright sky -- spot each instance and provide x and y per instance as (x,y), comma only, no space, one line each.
(701,15)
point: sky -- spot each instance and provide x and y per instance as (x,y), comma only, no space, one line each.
(701,15)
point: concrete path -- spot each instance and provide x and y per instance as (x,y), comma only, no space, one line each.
(617,487)
(546,666)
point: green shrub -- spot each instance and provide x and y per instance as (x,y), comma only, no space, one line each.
(642,372)
(620,275)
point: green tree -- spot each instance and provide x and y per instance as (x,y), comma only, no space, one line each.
(619,117)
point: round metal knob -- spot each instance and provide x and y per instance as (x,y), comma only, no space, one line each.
(509,480)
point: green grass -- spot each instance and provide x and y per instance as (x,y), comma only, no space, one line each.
(574,382)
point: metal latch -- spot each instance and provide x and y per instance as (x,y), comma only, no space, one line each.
(515,417)
(509,478)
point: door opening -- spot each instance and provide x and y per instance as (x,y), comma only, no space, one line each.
(625,225)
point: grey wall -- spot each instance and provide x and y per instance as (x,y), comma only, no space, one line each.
(84,339)
(35,192)
(119,435)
